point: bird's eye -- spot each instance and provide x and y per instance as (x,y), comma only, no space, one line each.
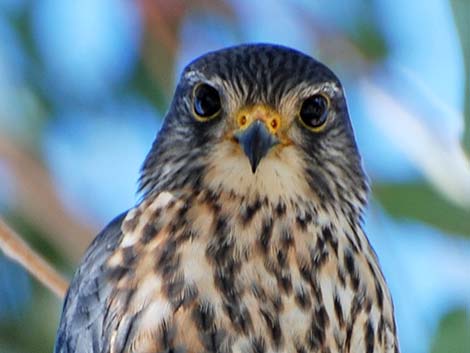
(314,112)
(206,102)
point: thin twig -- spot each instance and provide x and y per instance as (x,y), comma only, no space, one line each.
(15,248)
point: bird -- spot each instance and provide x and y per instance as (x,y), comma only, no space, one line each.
(248,235)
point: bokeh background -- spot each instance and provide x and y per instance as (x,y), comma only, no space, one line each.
(84,86)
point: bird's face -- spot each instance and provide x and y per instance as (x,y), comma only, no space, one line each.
(258,120)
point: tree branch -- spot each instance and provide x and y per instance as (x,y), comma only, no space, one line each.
(16,249)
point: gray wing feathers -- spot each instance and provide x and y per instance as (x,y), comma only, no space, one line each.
(85,305)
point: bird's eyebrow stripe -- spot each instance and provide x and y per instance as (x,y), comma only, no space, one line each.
(194,76)
(305,89)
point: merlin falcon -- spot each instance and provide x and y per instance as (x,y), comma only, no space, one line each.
(248,236)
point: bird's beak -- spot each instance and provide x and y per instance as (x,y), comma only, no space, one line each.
(256,141)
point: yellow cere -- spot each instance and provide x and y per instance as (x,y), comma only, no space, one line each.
(261,112)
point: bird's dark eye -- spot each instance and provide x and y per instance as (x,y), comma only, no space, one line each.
(314,112)
(206,101)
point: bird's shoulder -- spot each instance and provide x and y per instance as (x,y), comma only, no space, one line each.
(103,293)
(83,301)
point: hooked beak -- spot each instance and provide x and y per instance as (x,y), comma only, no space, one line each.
(256,141)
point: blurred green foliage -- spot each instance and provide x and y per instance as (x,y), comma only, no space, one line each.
(454,333)
(425,204)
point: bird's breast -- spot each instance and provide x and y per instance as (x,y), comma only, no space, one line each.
(212,273)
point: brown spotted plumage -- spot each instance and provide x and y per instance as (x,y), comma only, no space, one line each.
(248,238)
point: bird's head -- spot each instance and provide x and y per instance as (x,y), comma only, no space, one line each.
(258,120)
